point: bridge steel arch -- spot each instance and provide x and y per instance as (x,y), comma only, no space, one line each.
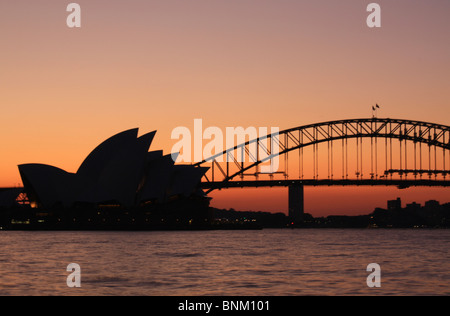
(253,153)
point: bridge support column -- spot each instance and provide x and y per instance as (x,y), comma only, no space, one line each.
(296,202)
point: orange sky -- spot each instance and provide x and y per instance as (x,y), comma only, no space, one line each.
(157,65)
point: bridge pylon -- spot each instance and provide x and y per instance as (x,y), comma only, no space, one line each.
(296,203)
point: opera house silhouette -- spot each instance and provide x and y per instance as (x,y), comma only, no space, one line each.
(121,184)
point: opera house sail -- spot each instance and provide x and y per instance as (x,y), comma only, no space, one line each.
(120,185)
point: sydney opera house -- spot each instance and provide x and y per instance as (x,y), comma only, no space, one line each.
(121,184)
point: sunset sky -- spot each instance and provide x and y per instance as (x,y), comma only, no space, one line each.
(160,64)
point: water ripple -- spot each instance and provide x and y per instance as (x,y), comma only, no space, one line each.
(268,262)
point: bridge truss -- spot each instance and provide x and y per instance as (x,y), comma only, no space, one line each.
(371,151)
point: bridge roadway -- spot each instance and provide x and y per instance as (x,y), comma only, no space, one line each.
(402,184)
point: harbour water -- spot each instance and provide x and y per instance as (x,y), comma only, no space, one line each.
(279,262)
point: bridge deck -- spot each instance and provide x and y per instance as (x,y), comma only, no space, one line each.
(310,182)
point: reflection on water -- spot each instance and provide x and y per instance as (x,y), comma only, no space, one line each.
(267,262)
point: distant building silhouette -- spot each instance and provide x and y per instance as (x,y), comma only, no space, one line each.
(413,206)
(432,204)
(394,204)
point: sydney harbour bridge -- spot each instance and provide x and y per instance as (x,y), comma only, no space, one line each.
(353,152)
